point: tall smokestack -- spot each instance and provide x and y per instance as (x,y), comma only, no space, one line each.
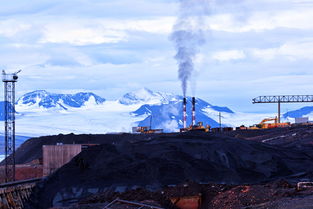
(185,112)
(193,111)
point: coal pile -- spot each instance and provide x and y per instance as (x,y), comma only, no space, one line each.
(294,136)
(31,149)
(154,162)
(299,137)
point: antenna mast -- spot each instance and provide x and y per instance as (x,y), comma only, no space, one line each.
(9,117)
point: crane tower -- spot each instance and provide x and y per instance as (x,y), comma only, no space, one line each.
(9,117)
(282,99)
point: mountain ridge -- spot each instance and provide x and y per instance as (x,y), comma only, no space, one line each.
(304,111)
(43,113)
(45,99)
(169,116)
(147,96)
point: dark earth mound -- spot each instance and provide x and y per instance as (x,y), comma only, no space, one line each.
(294,136)
(153,161)
(32,148)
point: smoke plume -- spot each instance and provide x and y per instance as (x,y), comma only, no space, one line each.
(188,36)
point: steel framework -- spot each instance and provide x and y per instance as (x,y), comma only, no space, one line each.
(283,99)
(128,204)
(9,117)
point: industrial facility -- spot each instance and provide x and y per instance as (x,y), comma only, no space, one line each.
(171,151)
(33,169)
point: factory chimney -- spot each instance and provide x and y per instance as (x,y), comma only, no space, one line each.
(193,111)
(185,112)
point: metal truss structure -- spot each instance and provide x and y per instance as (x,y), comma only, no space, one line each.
(9,118)
(118,203)
(283,99)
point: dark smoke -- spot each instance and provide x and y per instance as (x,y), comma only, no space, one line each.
(188,36)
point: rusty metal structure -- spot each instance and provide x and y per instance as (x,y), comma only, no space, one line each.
(118,203)
(55,156)
(187,202)
(283,99)
(15,195)
(9,81)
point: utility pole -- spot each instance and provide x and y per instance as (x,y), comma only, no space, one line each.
(278,110)
(151,121)
(9,125)
(220,120)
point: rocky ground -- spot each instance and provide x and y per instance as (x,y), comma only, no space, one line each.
(245,168)
(295,136)
(278,194)
(272,195)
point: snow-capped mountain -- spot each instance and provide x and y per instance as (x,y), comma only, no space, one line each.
(169,116)
(302,112)
(44,99)
(44,113)
(146,96)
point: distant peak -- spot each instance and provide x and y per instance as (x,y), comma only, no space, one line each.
(147,90)
(39,92)
(85,93)
(42,98)
(145,95)
(142,91)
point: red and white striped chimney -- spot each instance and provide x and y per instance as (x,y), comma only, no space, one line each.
(193,111)
(185,112)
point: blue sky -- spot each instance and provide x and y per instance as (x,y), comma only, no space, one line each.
(259,47)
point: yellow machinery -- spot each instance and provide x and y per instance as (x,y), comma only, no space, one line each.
(198,127)
(146,130)
(264,125)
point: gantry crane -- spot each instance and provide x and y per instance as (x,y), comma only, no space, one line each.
(283,99)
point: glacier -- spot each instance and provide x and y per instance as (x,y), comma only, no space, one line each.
(41,113)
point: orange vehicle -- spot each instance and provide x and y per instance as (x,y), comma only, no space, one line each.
(146,130)
(264,125)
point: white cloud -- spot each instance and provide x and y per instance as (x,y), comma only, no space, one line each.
(169,126)
(228,55)
(10,27)
(99,31)
(292,51)
(262,20)
(104,30)
(45,39)
(80,35)
(162,25)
